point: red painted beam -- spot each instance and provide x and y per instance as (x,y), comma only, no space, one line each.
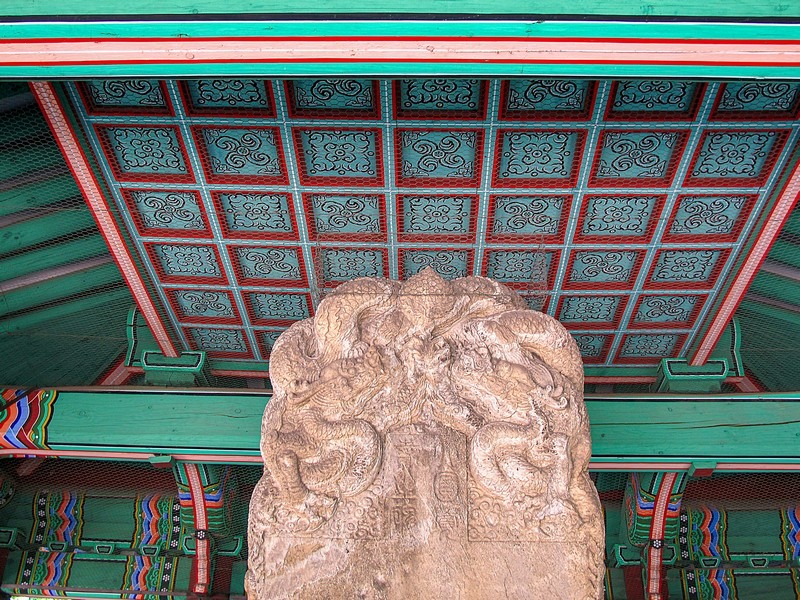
(766,238)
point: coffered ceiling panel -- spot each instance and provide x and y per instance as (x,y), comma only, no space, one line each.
(619,207)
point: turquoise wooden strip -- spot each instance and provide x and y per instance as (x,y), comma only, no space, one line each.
(648,428)
(710,8)
(202,70)
(327,27)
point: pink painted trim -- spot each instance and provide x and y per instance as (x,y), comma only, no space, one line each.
(780,212)
(640,466)
(619,379)
(758,467)
(202,550)
(220,458)
(116,376)
(748,386)
(141,456)
(397,49)
(76,159)
(4,452)
(237,373)
(657,526)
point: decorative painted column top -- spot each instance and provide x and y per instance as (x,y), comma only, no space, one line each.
(426,439)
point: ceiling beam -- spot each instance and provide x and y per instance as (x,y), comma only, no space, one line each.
(98,204)
(752,297)
(778,215)
(782,270)
(52,273)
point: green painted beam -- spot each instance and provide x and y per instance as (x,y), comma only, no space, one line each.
(14,163)
(708,8)
(393,69)
(770,337)
(158,421)
(50,225)
(72,350)
(777,287)
(59,288)
(785,252)
(28,125)
(85,304)
(763,428)
(619,371)
(44,258)
(37,194)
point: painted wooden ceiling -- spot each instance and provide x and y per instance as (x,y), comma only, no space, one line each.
(620,207)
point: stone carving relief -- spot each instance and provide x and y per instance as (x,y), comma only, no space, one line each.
(426,439)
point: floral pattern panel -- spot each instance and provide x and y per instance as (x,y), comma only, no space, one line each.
(620,207)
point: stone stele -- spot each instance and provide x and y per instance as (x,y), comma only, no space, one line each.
(425,440)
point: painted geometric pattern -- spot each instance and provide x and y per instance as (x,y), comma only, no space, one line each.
(620,207)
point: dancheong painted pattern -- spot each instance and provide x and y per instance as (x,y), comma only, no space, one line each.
(620,207)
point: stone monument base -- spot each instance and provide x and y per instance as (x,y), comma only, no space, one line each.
(436,570)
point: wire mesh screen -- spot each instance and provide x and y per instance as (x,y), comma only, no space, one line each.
(75,528)
(63,302)
(620,207)
(730,535)
(769,314)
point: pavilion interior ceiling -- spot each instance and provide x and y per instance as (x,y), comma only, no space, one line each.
(623,208)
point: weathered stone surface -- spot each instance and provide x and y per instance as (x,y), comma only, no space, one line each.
(425,440)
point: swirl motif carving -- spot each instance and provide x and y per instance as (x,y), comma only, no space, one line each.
(279,306)
(519,265)
(201,303)
(447,264)
(262,212)
(127,92)
(666,308)
(547,94)
(446,155)
(173,210)
(330,93)
(523,214)
(220,340)
(485,393)
(708,214)
(270,263)
(349,153)
(590,345)
(771,96)
(198,261)
(618,215)
(635,155)
(734,154)
(685,265)
(345,264)
(534,154)
(437,214)
(235,151)
(350,214)
(589,308)
(654,94)
(441,93)
(230,92)
(602,266)
(147,149)
(648,345)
